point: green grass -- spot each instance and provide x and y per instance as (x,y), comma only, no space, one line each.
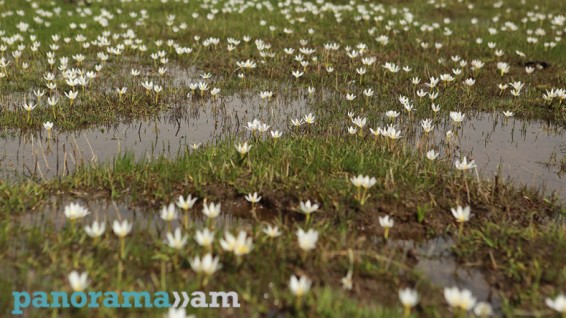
(99,105)
(295,165)
(514,239)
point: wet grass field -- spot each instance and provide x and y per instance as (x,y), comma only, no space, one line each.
(397,150)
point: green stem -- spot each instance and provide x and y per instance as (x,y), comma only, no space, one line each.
(407,312)
(120,269)
(186,219)
(122,248)
(298,303)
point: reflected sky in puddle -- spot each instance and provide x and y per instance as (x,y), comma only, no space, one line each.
(518,149)
(51,216)
(168,135)
(438,265)
(515,149)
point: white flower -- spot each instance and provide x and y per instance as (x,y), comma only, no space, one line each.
(202,86)
(275,134)
(75,211)
(228,242)
(391,114)
(263,128)
(307,240)
(461,214)
(71,94)
(464,164)
(187,203)
(243,244)
(350,97)
(392,133)
(459,299)
(206,265)
(79,282)
(352,130)
(309,119)
(432,155)
(386,221)
(432,96)
(483,309)
(346,281)
(265,94)
(243,149)
(299,286)
(253,125)
(272,231)
(435,108)
(375,132)
(363,181)
(558,303)
(297,122)
(169,213)
(457,117)
(176,240)
(308,207)
(96,229)
(409,297)
(177,313)
(253,198)
(52,101)
(359,121)
(211,210)
(121,229)
(204,237)
(469,82)
(427,125)
(240,245)
(147,85)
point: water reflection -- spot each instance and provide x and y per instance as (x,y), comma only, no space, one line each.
(438,265)
(51,216)
(518,149)
(168,135)
(515,149)
(512,148)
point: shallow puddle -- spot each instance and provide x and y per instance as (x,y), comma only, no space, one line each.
(168,135)
(51,216)
(522,151)
(438,265)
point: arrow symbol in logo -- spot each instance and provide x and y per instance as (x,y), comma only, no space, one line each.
(177,299)
(183,296)
(186,299)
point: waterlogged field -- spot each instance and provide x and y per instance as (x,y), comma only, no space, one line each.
(317,158)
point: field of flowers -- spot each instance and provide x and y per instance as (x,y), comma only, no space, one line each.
(319,158)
